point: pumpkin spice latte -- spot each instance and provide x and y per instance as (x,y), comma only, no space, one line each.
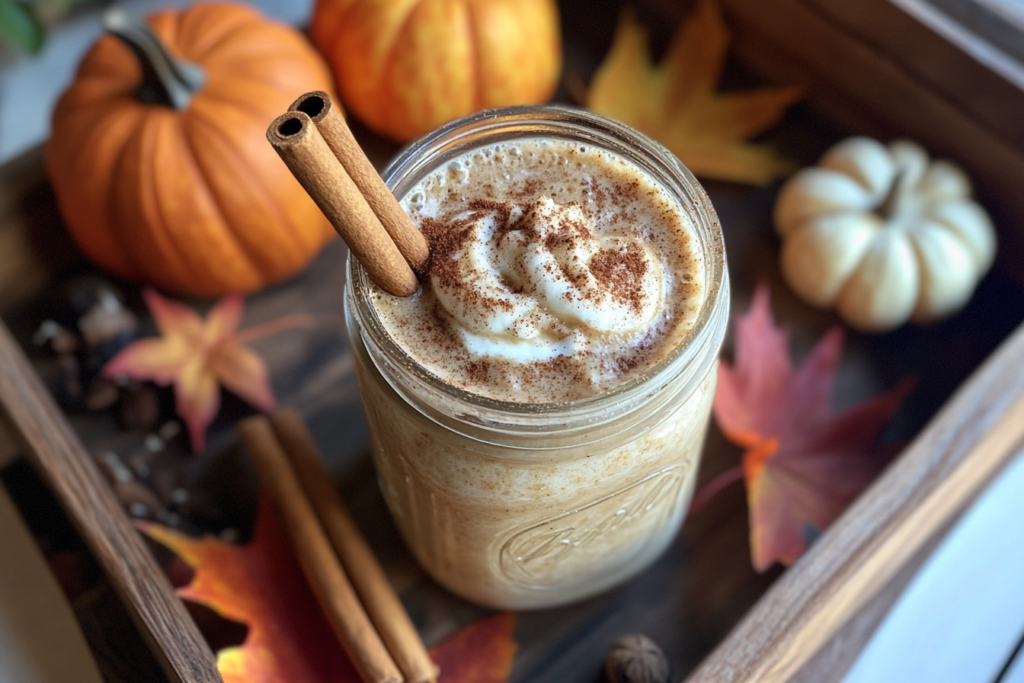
(537,409)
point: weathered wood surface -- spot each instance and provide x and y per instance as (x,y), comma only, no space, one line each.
(33,242)
(120,651)
(947,68)
(704,585)
(990,31)
(59,455)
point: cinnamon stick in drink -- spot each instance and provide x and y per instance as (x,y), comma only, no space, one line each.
(331,124)
(300,145)
(378,597)
(316,557)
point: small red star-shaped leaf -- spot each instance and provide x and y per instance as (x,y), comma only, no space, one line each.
(197,356)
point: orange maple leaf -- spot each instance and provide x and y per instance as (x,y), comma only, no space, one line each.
(803,464)
(676,102)
(289,639)
(197,356)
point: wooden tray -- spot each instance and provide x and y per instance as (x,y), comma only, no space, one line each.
(701,601)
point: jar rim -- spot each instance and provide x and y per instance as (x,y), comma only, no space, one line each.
(487,127)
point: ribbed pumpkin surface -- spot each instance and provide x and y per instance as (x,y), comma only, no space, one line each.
(195,201)
(405,67)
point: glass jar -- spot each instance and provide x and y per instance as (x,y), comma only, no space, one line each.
(520,505)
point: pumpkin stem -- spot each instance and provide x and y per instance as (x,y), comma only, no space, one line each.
(166,80)
(891,204)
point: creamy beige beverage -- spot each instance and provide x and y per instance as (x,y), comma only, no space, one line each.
(537,410)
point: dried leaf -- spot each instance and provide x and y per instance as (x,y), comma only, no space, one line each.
(198,356)
(289,639)
(262,586)
(676,102)
(803,464)
(482,652)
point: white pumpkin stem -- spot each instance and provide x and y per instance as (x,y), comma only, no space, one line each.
(166,80)
(890,205)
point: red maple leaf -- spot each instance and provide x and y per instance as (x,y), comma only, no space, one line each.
(803,464)
(289,639)
(197,356)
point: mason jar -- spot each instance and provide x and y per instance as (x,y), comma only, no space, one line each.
(528,505)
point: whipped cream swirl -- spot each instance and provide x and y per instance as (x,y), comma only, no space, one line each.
(532,282)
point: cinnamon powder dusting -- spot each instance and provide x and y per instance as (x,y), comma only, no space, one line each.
(621,273)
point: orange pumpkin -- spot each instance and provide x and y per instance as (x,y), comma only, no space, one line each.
(162,169)
(405,67)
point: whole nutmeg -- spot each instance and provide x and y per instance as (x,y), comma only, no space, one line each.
(636,659)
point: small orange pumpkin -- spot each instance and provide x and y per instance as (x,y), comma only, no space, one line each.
(405,67)
(160,163)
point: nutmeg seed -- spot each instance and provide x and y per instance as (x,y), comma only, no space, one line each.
(636,659)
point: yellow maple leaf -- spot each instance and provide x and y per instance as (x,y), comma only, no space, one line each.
(675,102)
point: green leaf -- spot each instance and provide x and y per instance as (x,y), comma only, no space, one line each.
(19,27)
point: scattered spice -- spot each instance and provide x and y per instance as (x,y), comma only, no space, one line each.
(621,272)
(63,377)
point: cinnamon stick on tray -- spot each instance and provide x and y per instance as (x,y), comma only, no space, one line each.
(299,144)
(316,557)
(378,597)
(331,124)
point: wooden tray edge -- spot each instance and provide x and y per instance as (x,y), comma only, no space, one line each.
(59,456)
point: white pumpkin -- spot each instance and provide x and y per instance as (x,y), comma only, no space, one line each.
(882,234)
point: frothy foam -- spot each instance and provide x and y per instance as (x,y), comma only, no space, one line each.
(533,282)
(557,271)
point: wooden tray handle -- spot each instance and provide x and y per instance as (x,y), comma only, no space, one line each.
(63,462)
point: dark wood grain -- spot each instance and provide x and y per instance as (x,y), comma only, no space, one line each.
(59,455)
(122,659)
(943,66)
(964,447)
(33,243)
